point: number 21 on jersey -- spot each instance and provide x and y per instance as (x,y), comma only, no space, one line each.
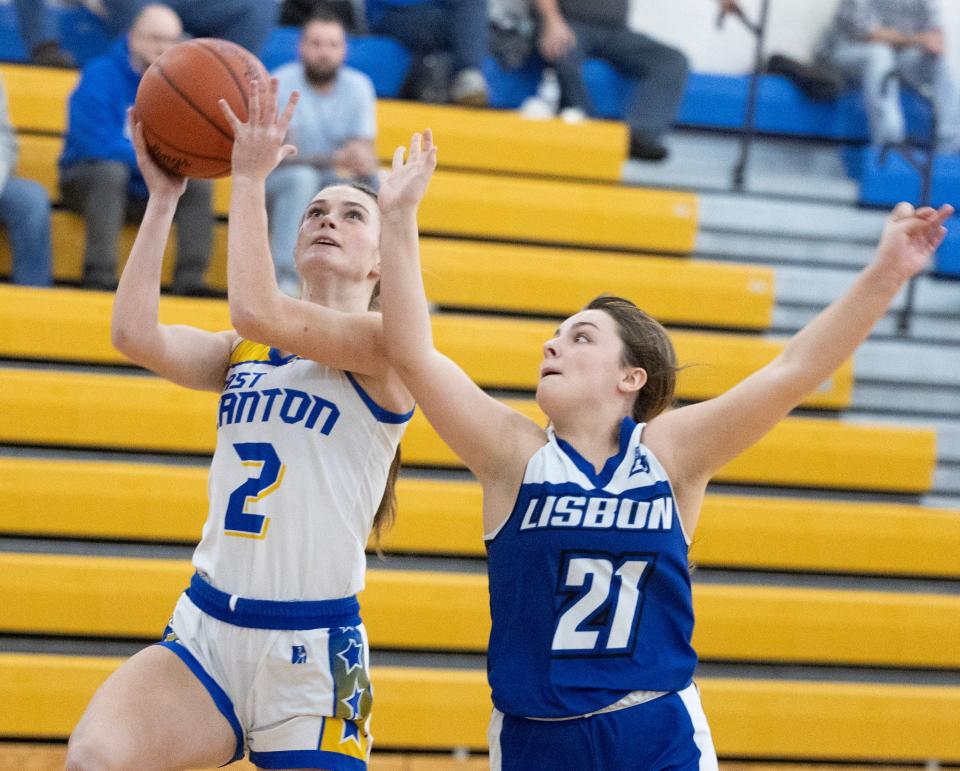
(255,455)
(604,616)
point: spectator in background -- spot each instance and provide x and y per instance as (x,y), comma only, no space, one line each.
(333,130)
(38,27)
(99,177)
(245,22)
(24,211)
(572,30)
(869,39)
(454,29)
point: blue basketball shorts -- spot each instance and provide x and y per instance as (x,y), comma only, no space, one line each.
(668,732)
(291,678)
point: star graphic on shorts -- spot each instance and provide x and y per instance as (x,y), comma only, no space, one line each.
(353,702)
(351,732)
(352,655)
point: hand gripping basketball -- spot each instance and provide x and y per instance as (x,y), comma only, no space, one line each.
(177,103)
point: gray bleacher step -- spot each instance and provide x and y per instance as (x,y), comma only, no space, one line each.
(703,161)
(933,329)
(807,285)
(730,212)
(908,361)
(921,401)
(771,249)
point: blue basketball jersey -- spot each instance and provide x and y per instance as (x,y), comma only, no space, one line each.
(589,586)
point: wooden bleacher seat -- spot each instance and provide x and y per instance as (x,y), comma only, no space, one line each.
(117,597)
(510,277)
(750,718)
(60,408)
(151,414)
(500,352)
(168,503)
(477,205)
(485,140)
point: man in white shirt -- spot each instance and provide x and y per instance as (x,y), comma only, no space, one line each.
(333,129)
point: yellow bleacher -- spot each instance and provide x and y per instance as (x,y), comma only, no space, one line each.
(523,279)
(488,140)
(423,610)
(478,205)
(757,719)
(72,325)
(134,413)
(157,502)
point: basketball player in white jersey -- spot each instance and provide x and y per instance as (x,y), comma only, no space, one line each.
(265,651)
(587,522)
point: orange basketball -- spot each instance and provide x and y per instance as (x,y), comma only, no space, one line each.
(177,104)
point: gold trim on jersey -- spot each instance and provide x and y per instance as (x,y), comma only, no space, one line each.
(247,350)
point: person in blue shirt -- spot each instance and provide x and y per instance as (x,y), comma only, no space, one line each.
(587,521)
(333,130)
(99,178)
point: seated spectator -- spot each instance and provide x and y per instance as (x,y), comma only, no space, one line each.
(573,30)
(38,27)
(333,129)
(436,30)
(24,211)
(245,22)
(869,39)
(99,177)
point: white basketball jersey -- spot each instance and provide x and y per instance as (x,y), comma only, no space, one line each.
(299,470)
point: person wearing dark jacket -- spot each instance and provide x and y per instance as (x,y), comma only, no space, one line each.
(98,169)
(573,30)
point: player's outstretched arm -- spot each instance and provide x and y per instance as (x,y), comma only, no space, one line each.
(258,309)
(493,440)
(696,441)
(186,355)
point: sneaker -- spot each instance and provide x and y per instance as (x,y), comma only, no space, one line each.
(50,54)
(470,88)
(646,148)
(572,115)
(536,108)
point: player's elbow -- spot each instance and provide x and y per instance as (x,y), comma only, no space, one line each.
(253,316)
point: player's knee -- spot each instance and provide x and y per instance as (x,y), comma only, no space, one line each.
(90,752)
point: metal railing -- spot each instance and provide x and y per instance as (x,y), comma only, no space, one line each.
(921,157)
(749,131)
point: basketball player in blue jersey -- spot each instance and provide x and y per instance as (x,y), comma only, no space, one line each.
(587,523)
(265,651)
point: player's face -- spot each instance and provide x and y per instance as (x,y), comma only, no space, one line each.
(582,363)
(340,232)
(323,48)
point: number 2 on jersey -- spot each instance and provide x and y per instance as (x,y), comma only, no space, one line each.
(618,588)
(255,455)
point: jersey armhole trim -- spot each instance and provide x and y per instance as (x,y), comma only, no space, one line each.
(381,414)
(676,506)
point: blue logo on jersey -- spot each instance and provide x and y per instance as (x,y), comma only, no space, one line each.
(640,462)
(289,404)
(298,654)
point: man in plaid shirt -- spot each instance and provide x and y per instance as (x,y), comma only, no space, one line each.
(871,38)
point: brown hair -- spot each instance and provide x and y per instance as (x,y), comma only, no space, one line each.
(387,510)
(645,344)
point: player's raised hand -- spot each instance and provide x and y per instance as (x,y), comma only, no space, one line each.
(258,143)
(160,183)
(910,237)
(404,185)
